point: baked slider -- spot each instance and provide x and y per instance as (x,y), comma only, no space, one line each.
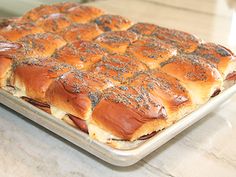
(118,68)
(116,41)
(81,54)
(112,22)
(185,42)
(83,14)
(199,77)
(54,23)
(151,51)
(15,31)
(41,44)
(78,31)
(75,94)
(222,58)
(32,77)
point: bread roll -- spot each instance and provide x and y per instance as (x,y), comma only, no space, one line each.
(41,44)
(54,23)
(126,112)
(40,11)
(112,22)
(87,32)
(83,14)
(81,54)
(32,77)
(15,31)
(145,29)
(118,68)
(151,51)
(185,42)
(200,78)
(8,51)
(75,93)
(116,41)
(223,59)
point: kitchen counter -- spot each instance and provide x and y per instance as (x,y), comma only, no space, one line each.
(206,149)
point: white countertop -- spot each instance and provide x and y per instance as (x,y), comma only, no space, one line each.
(207,149)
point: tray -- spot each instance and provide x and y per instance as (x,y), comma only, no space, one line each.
(125,157)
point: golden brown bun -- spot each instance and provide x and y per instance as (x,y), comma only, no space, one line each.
(32,77)
(112,22)
(76,93)
(87,32)
(5,68)
(174,97)
(81,54)
(222,58)
(128,112)
(199,77)
(65,6)
(54,23)
(40,11)
(83,14)
(116,41)
(118,67)
(8,53)
(143,28)
(151,51)
(183,41)
(15,31)
(41,44)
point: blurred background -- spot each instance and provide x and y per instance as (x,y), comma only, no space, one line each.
(9,8)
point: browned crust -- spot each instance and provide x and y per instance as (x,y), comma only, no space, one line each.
(144,29)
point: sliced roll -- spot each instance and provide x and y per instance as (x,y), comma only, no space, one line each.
(15,31)
(112,22)
(54,23)
(81,54)
(185,42)
(41,44)
(116,41)
(77,31)
(118,68)
(222,58)
(83,14)
(32,77)
(75,93)
(199,77)
(151,51)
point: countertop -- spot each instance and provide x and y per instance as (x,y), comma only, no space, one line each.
(206,149)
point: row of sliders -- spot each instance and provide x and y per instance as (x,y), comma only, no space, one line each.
(116,81)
